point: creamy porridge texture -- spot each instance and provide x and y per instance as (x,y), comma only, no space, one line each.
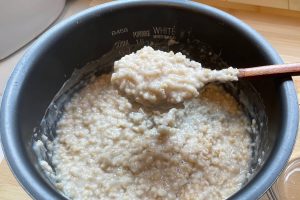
(110,148)
(154,77)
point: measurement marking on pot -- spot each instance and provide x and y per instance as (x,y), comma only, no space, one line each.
(163,32)
(124,51)
(159,30)
(119,31)
(121,43)
(164,37)
(139,34)
(142,42)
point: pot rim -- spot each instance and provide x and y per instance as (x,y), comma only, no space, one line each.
(36,187)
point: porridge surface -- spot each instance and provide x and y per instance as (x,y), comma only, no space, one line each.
(110,148)
(154,77)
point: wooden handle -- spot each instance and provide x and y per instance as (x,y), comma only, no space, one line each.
(270,70)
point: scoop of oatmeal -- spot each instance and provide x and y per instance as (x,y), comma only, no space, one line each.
(154,77)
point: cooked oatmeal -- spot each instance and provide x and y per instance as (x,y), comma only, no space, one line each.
(153,77)
(110,148)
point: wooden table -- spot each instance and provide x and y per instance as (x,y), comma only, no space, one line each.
(283,32)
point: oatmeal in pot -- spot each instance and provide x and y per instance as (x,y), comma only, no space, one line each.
(108,147)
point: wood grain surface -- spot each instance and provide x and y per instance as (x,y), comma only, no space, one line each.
(9,187)
(283,32)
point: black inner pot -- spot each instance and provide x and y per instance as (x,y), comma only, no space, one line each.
(123,28)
